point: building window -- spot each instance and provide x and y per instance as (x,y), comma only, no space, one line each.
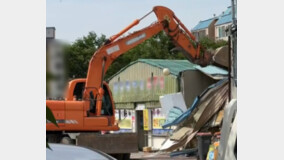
(222,32)
(199,34)
(202,34)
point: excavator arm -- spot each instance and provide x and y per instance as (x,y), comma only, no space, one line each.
(115,47)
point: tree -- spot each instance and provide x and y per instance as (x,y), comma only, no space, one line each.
(159,46)
(211,44)
(80,52)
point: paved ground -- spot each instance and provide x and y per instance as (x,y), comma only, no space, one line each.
(157,156)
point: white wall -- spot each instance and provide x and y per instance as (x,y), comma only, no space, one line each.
(217,32)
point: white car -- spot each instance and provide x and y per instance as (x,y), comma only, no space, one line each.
(71,152)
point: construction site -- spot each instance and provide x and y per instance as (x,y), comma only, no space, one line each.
(163,91)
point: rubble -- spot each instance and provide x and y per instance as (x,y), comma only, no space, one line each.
(205,112)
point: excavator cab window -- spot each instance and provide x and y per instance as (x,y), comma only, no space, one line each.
(107,103)
(78,91)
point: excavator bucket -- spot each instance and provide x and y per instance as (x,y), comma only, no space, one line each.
(205,60)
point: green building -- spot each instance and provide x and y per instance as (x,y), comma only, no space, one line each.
(137,87)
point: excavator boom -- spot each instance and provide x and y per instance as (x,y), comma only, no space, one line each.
(114,47)
(93,110)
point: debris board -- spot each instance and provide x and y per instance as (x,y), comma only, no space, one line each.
(179,134)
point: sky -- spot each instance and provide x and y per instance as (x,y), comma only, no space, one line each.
(74,19)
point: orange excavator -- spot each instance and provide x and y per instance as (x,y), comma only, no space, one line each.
(88,105)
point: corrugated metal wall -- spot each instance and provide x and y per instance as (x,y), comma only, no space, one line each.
(193,83)
(136,84)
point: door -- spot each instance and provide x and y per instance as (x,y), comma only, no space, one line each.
(140,129)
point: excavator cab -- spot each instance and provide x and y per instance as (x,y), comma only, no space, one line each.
(79,113)
(107,105)
(78,91)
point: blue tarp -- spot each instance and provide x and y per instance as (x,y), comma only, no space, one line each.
(184,115)
(196,101)
(173,114)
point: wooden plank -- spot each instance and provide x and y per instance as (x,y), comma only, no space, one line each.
(179,134)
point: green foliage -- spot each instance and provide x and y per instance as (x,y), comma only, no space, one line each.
(158,47)
(50,117)
(80,52)
(47,146)
(211,44)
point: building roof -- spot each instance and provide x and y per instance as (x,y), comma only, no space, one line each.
(225,17)
(212,70)
(177,66)
(203,24)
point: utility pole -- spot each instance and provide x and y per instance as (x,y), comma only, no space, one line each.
(234,40)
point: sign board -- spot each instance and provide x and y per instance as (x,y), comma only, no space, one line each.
(125,123)
(158,122)
(147,120)
(159,119)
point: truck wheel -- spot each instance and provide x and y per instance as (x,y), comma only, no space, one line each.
(66,140)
